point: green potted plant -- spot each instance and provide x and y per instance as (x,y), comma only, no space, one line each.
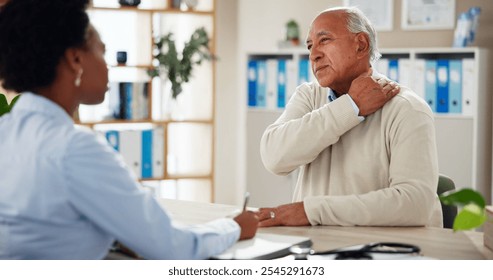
(293,32)
(177,67)
(474,212)
(5,107)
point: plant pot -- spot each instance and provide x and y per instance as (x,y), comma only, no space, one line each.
(175,4)
(132,3)
(169,106)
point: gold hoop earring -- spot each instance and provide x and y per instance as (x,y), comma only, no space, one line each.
(78,79)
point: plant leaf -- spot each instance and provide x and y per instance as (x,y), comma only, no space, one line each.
(178,66)
(14,100)
(3,100)
(4,105)
(470,217)
(463,197)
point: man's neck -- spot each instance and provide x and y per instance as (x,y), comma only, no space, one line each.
(343,88)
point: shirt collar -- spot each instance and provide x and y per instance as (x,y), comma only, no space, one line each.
(331,95)
(36,103)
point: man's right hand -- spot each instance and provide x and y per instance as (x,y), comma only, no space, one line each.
(248,222)
(370,94)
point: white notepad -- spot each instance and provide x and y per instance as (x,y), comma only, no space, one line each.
(263,246)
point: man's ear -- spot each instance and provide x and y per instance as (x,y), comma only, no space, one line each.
(363,43)
(73,58)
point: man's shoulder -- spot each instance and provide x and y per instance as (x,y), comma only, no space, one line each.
(407,99)
(312,92)
(311,87)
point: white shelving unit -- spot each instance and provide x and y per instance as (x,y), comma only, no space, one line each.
(464,142)
(189,128)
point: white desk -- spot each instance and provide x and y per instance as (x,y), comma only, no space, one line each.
(434,242)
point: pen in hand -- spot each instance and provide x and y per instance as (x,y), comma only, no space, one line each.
(247,196)
(247,220)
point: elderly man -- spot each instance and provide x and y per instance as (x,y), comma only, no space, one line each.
(365,157)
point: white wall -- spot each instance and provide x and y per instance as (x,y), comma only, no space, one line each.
(261,22)
(227,172)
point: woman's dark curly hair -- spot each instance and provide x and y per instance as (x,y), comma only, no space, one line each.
(34,35)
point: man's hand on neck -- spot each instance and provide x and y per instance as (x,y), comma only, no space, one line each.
(371,94)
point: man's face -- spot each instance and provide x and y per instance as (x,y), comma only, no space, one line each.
(333,51)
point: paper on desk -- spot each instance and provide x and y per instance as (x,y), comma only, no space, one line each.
(263,246)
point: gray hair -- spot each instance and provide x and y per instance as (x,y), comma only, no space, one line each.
(357,22)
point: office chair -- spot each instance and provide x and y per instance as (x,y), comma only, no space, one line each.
(449,211)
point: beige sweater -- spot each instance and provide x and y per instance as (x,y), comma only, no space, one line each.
(379,172)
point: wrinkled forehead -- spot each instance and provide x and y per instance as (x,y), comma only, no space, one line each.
(333,22)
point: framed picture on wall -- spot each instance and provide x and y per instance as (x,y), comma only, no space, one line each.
(379,12)
(427,14)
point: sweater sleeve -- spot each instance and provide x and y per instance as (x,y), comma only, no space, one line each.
(410,198)
(304,130)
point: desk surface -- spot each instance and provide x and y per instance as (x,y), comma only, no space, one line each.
(434,242)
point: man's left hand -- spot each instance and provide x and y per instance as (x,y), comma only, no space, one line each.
(292,214)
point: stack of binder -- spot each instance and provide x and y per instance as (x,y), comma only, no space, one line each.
(271,82)
(447,85)
(128,100)
(142,150)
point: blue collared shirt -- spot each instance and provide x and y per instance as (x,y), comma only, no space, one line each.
(66,194)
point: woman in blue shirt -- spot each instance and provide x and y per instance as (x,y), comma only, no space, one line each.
(64,192)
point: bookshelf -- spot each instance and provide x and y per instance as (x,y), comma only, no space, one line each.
(188,122)
(464,137)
